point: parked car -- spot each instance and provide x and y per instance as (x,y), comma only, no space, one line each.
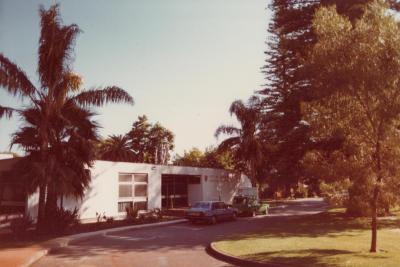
(210,211)
(249,206)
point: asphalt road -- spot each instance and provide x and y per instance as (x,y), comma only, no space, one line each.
(169,246)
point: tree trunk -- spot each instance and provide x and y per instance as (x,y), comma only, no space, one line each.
(41,209)
(374,221)
(374,224)
(51,200)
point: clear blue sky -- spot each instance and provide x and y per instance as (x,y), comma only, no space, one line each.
(183,61)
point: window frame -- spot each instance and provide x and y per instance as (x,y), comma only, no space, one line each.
(133,198)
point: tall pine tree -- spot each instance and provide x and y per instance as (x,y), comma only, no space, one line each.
(289,85)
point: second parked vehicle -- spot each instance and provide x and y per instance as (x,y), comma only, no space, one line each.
(210,211)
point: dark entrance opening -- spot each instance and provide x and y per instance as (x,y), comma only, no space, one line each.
(174,189)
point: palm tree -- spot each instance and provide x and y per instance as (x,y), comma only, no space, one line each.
(116,148)
(244,141)
(56,110)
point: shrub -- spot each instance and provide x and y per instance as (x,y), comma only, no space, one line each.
(110,220)
(131,213)
(19,226)
(336,193)
(360,198)
(100,217)
(63,219)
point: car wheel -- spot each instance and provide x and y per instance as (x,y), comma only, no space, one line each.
(213,220)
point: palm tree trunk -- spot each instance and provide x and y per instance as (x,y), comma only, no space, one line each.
(41,209)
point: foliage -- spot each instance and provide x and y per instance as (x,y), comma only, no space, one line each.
(145,142)
(100,217)
(191,158)
(19,226)
(355,70)
(62,219)
(58,131)
(131,213)
(336,193)
(153,215)
(116,148)
(210,158)
(244,141)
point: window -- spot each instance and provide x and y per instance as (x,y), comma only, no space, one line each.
(141,190)
(132,191)
(126,178)
(125,190)
(140,178)
(141,205)
(123,205)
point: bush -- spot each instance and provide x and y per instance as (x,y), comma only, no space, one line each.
(301,191)
(20,226)
(360,198)
(62,219)
(336,193)
(131,213)
(110,220)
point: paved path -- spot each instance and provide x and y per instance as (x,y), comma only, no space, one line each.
(175,245)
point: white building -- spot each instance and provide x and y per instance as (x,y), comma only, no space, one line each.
(116,185)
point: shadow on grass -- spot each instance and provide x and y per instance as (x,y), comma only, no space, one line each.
(298,258)
(328,224)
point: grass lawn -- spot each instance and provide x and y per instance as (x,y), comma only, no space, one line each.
(327,239)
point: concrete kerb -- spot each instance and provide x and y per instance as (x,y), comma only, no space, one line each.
(69,240)
(213,251)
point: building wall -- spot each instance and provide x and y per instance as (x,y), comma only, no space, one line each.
(102,194)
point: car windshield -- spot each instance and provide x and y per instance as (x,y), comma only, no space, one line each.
(202,205)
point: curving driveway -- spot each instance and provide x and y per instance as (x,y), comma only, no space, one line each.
(175,245)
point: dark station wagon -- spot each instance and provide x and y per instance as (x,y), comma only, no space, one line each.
(210,211)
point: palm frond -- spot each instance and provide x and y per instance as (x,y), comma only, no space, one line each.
(116,148)
(26,138)
(13,79)
(227,129)
(6,112)
(99,97)
(55,46)
(238,108)
(69,82)
(229,144)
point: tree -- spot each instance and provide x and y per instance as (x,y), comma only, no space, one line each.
(161,142)
(139,137)
(283,126)
(56,111)
(244,141)
(355,68)
(191,158)
(116,148)
(210,158)
(151,143)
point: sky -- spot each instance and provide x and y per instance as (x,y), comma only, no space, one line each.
(184,62)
